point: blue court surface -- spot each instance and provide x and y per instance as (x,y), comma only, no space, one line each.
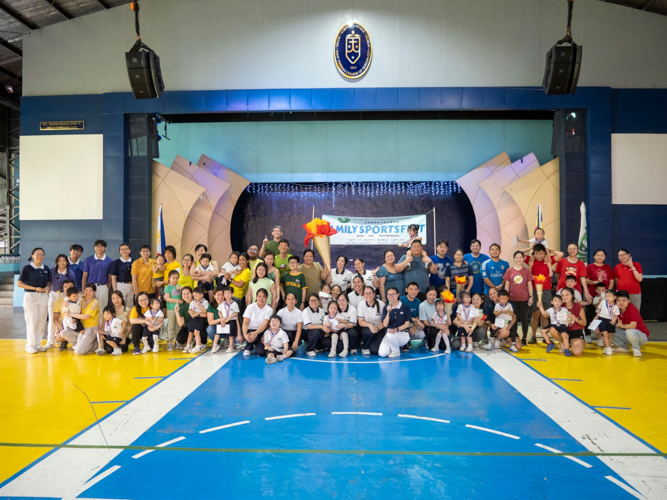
(350,430)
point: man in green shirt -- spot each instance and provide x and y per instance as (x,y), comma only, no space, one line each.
(281,262)
(272,245)
(294,282)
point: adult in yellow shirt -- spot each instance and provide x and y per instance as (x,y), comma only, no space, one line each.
(90,318)
(239,283)
(138,320)
(57,309)
(184,278)
(142,273)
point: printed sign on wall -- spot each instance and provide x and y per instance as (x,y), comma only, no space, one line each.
(353,51)
(374,230)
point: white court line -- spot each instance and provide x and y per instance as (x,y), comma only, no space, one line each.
(574,459)
(625,487)
(224,427)
(355,413)
(367,362)
(290,416)
(426,418)
(92,482)
(161,445)
(647,475)
(486,429)
(64,472)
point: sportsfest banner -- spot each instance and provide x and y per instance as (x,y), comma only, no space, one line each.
(374,230)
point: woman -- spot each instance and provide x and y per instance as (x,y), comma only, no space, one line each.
(183,317)
(256,320)
(629,276)
(397,319)
(341,276)
(261,281)
(335,292)
(459,269)
(597,272)
(369,318)
(576,321)
(347,322)
(356,296)
(313,322)
(313,272)
(368,277)
(199,251)
(58,275)
(572,266)
(390,274)
(272,271)
(240,282)
(519,284)
(292,320)
(122,313)
(35,280)
(213,317)
(171,264)
(86,341)
(137,320)
(184,278)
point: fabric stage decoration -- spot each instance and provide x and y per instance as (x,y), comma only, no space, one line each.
(320,231)
(582,255)
(160,243)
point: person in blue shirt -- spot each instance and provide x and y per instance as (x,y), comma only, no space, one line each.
(417,326)
(442,262)
(121,275)
(418,270)
(396,318)
(35,280)
(97,270)
(475,260)
(76,264)
(493,270)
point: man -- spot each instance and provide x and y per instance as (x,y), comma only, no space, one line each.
(272,245)
(493,270)
(630,327)
(539,266)
(121,275)
(75,265)
(475,260)
(96,270)
(253,260)
(57,309)
(418,270)
(281,262)
(442,262)
(426,312)
(142,273)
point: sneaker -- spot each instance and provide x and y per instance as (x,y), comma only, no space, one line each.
(607,351)
(588,339)
(230,348)
(353,351)
(48,346)
(394,354)
(117,352)
(561,349)
(332,354)
(216,348)
(100,352)
(567,353)
(343,354)
(31,350)
(280,357)
(470,348)
(170,346)
(462,348)
(600,342)
(63,345)
(186,349)
(40,349)
(621,349)
(448,351)
(637,352)
(435,349)
(366,352)
(138,351)
(312,354)
(551,346)
(145,349)
(496,344)
(270,360)
(513,348)
(489,346)
(532,340)
(246,353)
(406,347)
(475,345)
(179,346)
(503,343)
(156,347)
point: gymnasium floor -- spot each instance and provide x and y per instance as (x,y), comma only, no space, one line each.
(480,425)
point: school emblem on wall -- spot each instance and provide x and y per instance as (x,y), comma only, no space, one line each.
(353,51)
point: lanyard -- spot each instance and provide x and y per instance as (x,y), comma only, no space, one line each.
(227,309)
(610,309)
(466,312)
(440,320)
(152,313)
(272,335)
(107,326)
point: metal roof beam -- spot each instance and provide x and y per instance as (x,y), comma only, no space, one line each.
(103,4)
(11,48)
(53,4)
(648,4)
(17,17)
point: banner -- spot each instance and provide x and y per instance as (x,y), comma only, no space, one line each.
(390,231)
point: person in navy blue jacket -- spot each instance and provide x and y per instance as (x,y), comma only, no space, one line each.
(35,280)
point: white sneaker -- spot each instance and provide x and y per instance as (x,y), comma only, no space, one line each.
(365,351)
(332,354)
(117,352)
(31,350)
(343,354)
(156,347)
(637,352)
(270,360)
(489,346)
(621,349)
(476,345)
(462,348)
(186,349)
(600,342)
(100,352)
(448,350)
(246,353)
(607,351)
(394,354)
(170,346)
(503,343)
(513,348)
(312,354)
(230,348)
(435,349)
(496,344)
(280,357)
(588,339)
(216,348)
(469,349)
(353,351)
(40,349)
(48,346)
(146,349)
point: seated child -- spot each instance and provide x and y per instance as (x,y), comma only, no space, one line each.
(231,268)
(466,320)
(204,274)
(505,318)
(440,321)
(198,321)
(325,295)
(413,232)
(158,275)
(275,343)
(538,237)
(557,321)
(72,305)
(608,313)
(112,333)
(154,321)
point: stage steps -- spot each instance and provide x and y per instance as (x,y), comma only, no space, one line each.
(7,292)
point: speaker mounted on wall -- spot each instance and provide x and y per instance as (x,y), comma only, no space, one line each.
(563,65)
(143,66)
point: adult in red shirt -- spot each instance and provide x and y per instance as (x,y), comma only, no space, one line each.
(629,276)
(519,284)
(538,266)
(573,339)
(572,266)
(599,272)
(630,327)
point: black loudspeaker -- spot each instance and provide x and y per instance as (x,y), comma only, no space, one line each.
(143,69)
(562,69)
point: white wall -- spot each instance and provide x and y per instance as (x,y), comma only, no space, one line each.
(638,166)
(243,44)
(55,168)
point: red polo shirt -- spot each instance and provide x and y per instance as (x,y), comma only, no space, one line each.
(565,268)
(599,274)
(626,278)
(632,314)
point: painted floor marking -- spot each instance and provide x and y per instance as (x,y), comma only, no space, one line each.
(625,487)
(290,416)
(224,427)
(528,359)
(566,379)
(369,362)
(161,445)
(92,482)
(356,413)
(426,418)
(141,378)
(574,459)
(485,429)
(611,407)
(647,474)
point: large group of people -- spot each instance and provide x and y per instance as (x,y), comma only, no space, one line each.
(268,301)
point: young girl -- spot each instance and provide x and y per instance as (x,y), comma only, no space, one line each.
(198,309)
(325,295)
(441,322)
(154,321)
(172,296)
(112,333)
(347,321)
(158,275)
(335,292)
(226,324)
(204,273)
(413,232)
(479,332)
(505,319)
(332,322)
(275,343)
(466,320)
(232,268)
(573,339)
(557,320)
(608,313)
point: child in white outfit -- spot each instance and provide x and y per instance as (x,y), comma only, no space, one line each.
(72,305)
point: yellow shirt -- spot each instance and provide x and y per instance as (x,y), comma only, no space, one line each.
(133,313)
(184,280)
(244,276)
(252,264)
(144,274)
(58,305)
(94,319)
(174,266)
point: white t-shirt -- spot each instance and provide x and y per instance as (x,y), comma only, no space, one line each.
(257,315)
(195,307)
(367,277)
(277,340)
(371,314)
(467,313)
(349,315)
(558,318)
(507,307)
(577,295)
(226,310)
(206,269)
(114,327)
(606,310)
(342,280)
(535,241)
(311,317)
(332,322)
(153,316)
(355,299)
(290,319)
(436,319)
(229,268)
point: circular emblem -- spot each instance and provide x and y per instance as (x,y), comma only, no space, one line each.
(353,51)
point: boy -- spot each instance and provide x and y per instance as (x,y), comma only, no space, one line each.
(76,265)
(275,343)
(557,321)
(281,262)
(540,265)
(271,246)
(630,327)
(205,270)
(608,313)
(493,270)
(112,333)
(571,282)
(293,281)
(229,312)
(538,238)
(198,310)
(442,262)
(411,300)
(72,305)
(172,296)
(475,260)
(505,319)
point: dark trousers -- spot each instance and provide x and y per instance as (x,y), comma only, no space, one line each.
(182,335)
(312,338)
(366,337)
(353,336)
(522,312)
(255,344)
(376,340)
(431,335)
(137,333)
(291,334)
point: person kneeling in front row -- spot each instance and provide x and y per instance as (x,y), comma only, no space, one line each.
(396,318)
(275,344)
(630,327)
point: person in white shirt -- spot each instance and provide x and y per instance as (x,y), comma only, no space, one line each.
(505,318)
(333,322)
(154,321)
(291,318)
(557,320)
(608,313)
(313,322)
(230,268)
(112,333)
(426,312)
(341,276)
(256,321)
(466,320)
(347,317)
(198,310)
(368,277)
(369,318)
(275,344)
(227,323)
(439,322)
(356,296)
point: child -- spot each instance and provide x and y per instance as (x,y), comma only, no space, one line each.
(205,270)
(112,333)
(557,320)
(154,321)
(466,320)
(229,313)
(281,261)
(294,281)
(172,296)
(325,295)
(538,237)
(608,313)
(571,282)
(72,305)
(232,268)
(600,291)
(331,322)
(275,342)
(198,309)
(505,319)
(489,308)
(441,322)
(335,292)
(413,231)
(479,332)
(158,275)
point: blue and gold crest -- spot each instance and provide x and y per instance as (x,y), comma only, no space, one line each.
(353,51)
